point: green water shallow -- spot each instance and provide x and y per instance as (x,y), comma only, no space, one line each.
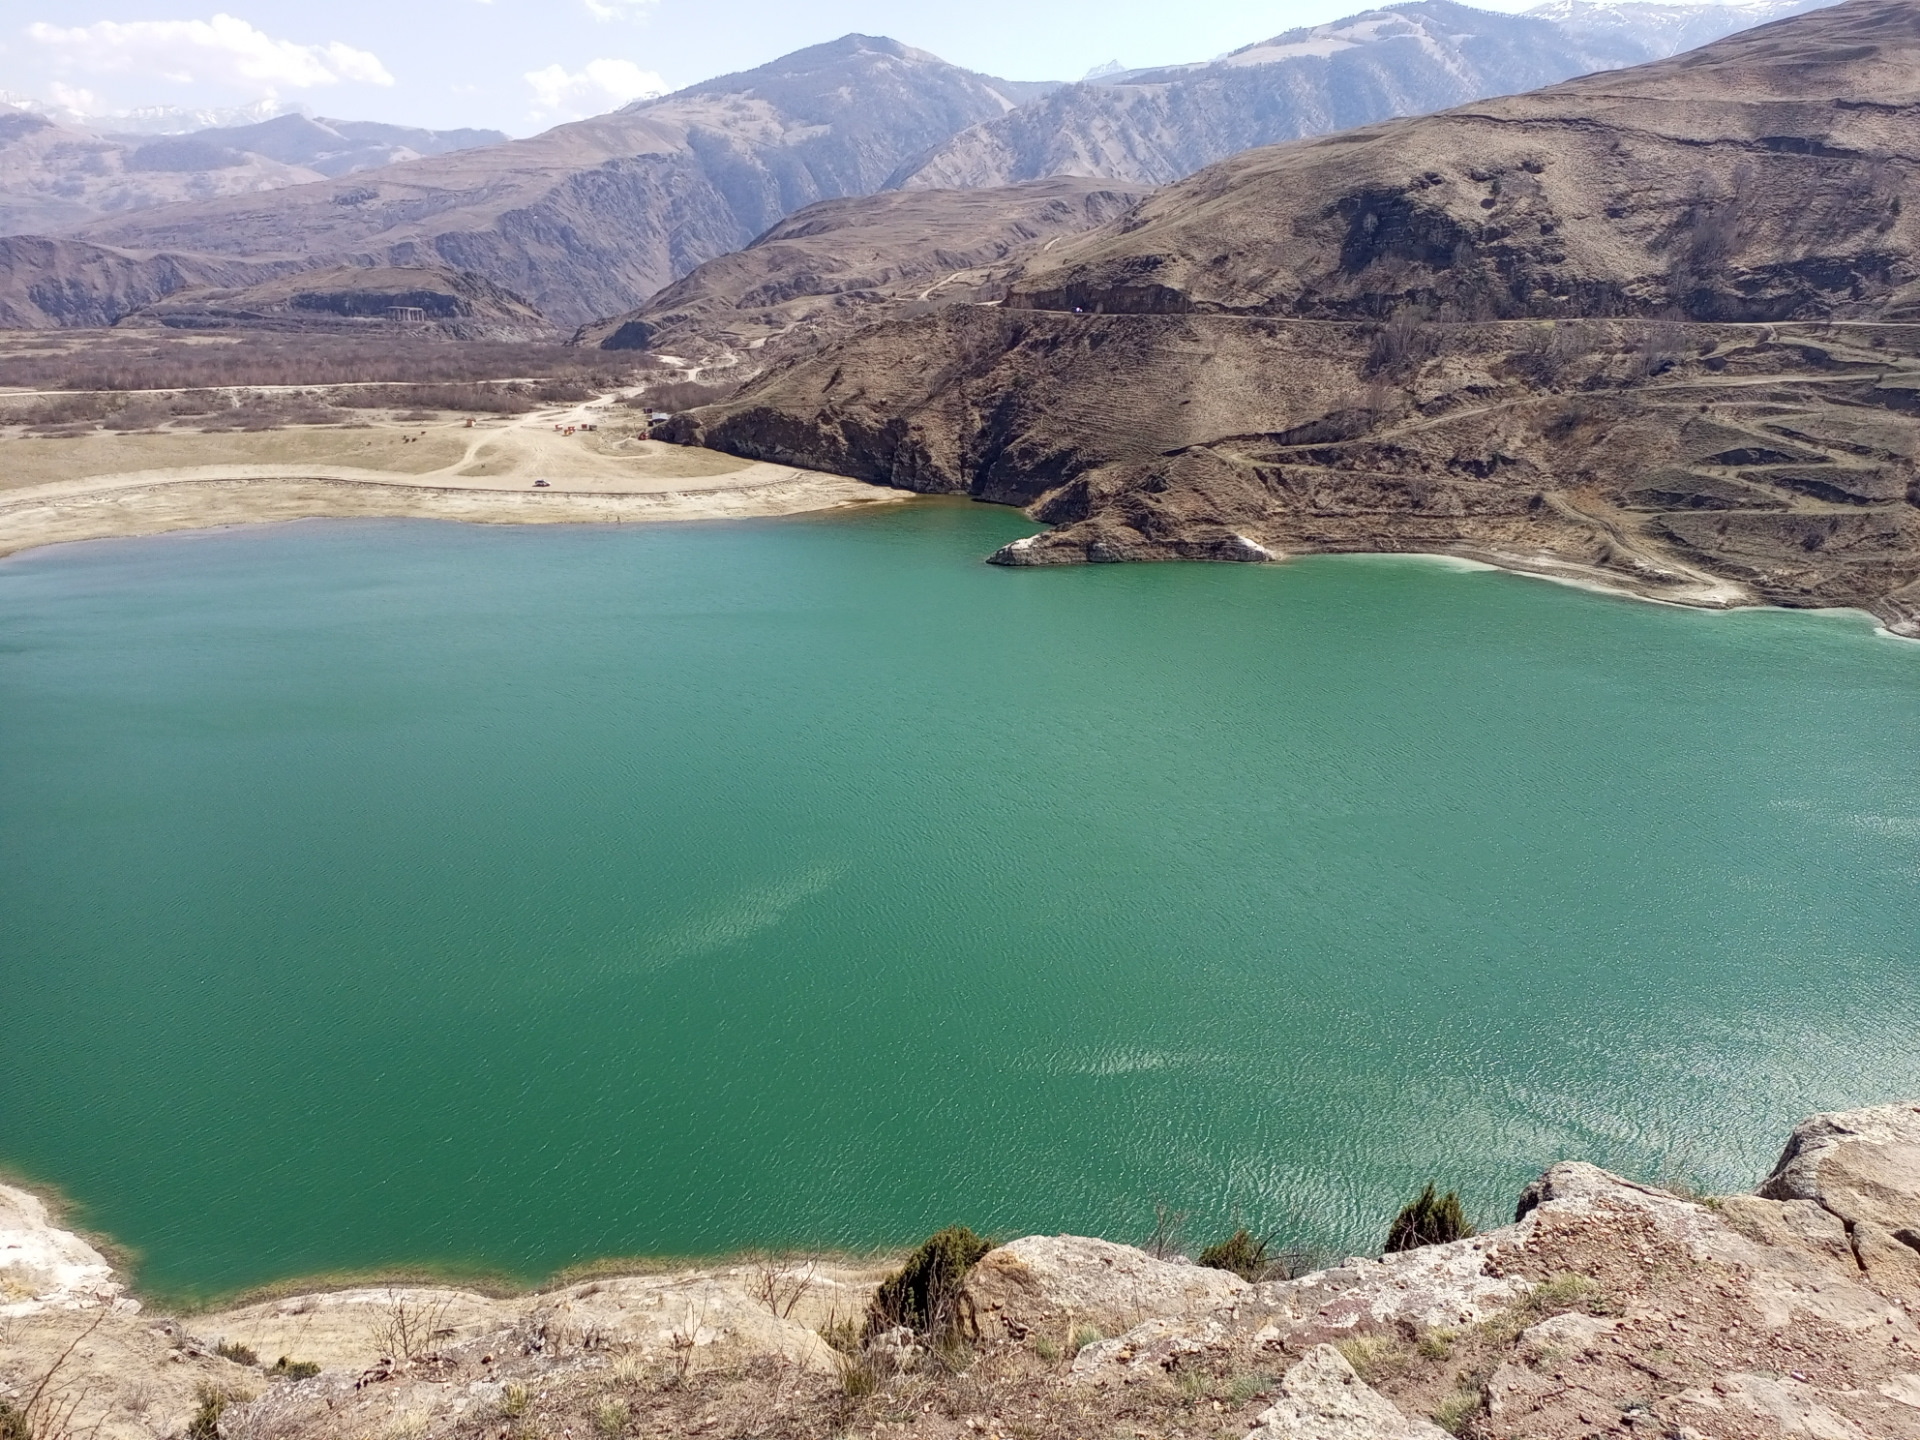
(400,893)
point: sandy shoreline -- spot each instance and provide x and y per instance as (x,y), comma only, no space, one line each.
(527,471)
(105,486)
(28,522)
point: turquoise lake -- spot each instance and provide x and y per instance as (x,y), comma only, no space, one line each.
(396,893)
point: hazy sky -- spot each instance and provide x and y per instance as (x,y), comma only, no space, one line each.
(520,65)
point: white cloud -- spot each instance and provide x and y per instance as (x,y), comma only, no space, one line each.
(599,86)
(223,51)
(617,9)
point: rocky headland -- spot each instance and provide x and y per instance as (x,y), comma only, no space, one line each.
(1652,329)
(1606,1307)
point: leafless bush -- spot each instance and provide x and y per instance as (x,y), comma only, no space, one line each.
(1169,1226)
(1399,347)
(1655,350)
(1549,350)
(61,410)
(781,1281)
(269,412)
(52,1404)
(681,1341)
(515,398)
(1707,233)
(408,1329)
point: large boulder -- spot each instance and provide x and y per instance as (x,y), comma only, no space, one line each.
(1056,1281)
(1862,1166)
(1322,1398)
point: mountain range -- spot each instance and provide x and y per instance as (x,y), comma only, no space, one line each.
(56,177)
(1155,126)
(592,219)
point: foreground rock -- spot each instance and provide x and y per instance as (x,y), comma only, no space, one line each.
(1652,329)
(1605,1308)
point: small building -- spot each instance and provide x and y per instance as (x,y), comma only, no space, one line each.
(406,314)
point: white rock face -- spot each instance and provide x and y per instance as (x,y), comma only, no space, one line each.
(1032,1281)
(42,1266)
(1322,1399)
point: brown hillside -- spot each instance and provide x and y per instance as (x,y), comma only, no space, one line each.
(826,270)
(1649,328)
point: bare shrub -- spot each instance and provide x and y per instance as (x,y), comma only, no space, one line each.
(1655,349)
(781,1281)
(409,1329)
(1401,346)
(52,1404)
(1706,235)
(62,410)
(1166,1243)
(681,1341)
(1549,351)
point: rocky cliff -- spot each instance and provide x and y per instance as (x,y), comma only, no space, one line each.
(349,299)
(1606,1308)
(50,284)
(1651,328)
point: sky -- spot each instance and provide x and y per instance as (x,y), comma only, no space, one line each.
(522,65)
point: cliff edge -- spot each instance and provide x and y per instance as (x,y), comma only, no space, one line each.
(1605,1308)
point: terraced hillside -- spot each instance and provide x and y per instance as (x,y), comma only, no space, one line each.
(1652,328)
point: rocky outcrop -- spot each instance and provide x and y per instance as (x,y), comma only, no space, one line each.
(1862,1168)
(44,1267)
(1322,1399)
(56,284)
(1606,1308)
(1059,1282)
(349,299)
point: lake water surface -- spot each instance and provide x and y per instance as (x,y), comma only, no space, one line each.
(392,893)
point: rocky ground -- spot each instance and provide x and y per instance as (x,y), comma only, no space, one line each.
(1605,1308)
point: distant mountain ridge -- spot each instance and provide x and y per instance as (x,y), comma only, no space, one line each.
(56,177)
(1154,126)
(590,218)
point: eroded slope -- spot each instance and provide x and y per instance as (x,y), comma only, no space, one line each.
(1649,328)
